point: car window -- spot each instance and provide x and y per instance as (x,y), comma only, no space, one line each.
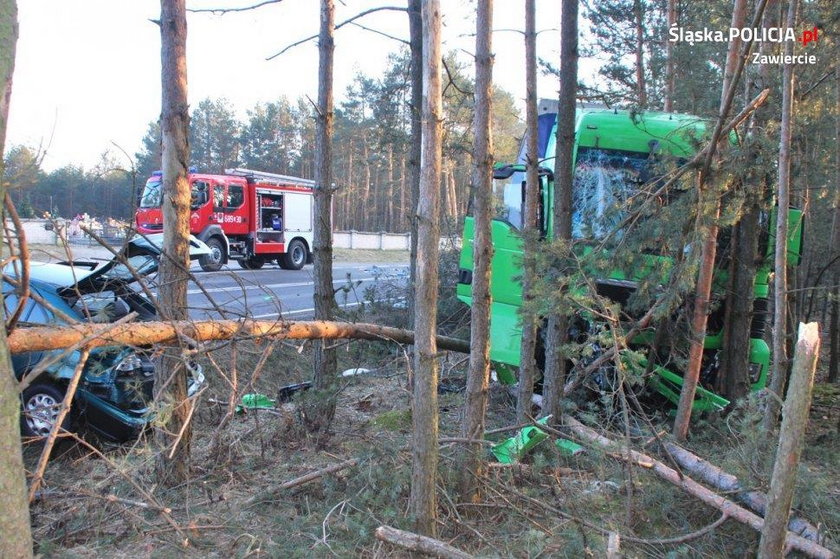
(218,197)
(10,301)
(39,314)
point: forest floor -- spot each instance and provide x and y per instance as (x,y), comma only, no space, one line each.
(551,505)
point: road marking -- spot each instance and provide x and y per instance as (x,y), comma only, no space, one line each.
(301,311)
(239,288)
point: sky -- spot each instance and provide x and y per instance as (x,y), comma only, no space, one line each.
(87,74)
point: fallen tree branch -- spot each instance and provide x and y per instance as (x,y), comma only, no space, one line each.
(419,544)
(756,501)
(727,507)
(45,338)
(311,476)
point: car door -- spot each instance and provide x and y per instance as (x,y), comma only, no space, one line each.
(21,362)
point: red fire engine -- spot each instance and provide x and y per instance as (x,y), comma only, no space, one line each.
(248,216)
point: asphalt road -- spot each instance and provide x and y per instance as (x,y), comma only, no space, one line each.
(273,292)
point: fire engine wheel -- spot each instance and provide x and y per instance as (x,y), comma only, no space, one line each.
(295,256)
(251,263)
(213,261)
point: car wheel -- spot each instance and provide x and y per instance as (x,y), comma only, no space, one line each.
(251,263)
(213,261)
(295,256)
(41,403)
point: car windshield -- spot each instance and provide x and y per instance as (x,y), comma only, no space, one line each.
(142,264)
(604,182)
(151,194)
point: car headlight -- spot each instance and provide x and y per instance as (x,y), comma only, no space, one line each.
(130,362)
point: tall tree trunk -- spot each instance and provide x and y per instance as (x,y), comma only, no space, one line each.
(735,376)
(401,212)
(555,360)
(324,358)
(14,520)
(445,194)
(453,193)
(669,59)
(478,377)
(415,30)
(791,438)
(778,374)
(422,501)
(171,374)
(527,348)
(365,220)
(347,191)
(707,224)
(641,86)
(389,197)
(834,329)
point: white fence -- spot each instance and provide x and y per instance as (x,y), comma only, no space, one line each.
(43,232)
(40,231)
(375,241)
(36,231)
(383,241)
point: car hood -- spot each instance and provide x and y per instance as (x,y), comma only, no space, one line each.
(138,258)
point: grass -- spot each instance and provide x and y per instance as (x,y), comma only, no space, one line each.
(231,506)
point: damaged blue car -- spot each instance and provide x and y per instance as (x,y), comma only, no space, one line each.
(115,391)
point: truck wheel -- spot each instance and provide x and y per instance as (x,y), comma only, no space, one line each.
(213,261)
(251,263)
(40,404)
(295,256)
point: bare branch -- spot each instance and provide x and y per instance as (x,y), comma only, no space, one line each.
(338,26)
(387,36)
(223,11)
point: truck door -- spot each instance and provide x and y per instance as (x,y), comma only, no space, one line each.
(230,209)
(235,210)
(201,192)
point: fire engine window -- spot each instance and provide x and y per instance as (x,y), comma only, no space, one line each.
(218,197)
(236,195)
(198,193)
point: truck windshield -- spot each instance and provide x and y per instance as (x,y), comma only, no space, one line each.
(151,197)
(605,181)
(152,194)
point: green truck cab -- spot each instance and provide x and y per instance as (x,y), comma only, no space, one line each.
(614,154)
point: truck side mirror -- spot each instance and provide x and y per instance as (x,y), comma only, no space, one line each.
(503,172)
